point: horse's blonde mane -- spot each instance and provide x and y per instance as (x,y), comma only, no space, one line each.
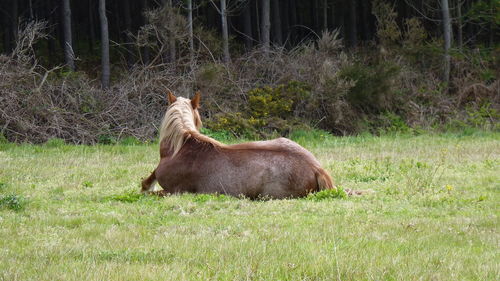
(178,125)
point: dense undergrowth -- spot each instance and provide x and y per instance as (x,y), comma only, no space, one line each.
(389,86)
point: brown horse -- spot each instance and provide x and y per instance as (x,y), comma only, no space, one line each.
(193,162)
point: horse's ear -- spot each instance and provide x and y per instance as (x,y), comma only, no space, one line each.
(195,102)
(171,98)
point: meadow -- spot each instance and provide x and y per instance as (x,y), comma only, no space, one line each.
(75,213)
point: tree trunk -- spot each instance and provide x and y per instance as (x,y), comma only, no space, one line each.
(12,37)
(225,36)
(493,20)
(104,44)
(293,21)
(285,23)
(342,20)
(190,28)
(278,38)
(7,46)
(69,54)
(127,32)
(315,15)
(145,50)
(447,39)
(247,26)
(265,24)
(30,6)
(365,20)
(325,15)
(92,37)
(256,8)
(333,17)
(459,24)
(353,30)
(48,13)
(171,43)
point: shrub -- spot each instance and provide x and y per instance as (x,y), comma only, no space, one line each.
(235,123)
(373,90)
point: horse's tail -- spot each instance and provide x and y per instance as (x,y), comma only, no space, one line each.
(148,184)
(324,180)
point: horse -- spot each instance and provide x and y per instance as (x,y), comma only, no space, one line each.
(195,163)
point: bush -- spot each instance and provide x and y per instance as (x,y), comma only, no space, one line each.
(235,123)
(373,90)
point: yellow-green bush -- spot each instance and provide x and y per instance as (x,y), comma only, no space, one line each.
(269,110)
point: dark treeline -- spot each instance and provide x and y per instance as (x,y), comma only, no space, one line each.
(291,22)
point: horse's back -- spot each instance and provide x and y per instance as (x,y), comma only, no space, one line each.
(284,145)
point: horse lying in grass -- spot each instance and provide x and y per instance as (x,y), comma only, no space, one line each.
(193,162)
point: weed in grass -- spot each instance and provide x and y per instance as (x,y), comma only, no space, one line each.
(12,202)
(327,194)
(87,184)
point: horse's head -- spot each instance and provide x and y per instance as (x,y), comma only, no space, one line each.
(189,105)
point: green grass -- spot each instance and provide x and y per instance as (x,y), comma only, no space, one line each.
(75,213)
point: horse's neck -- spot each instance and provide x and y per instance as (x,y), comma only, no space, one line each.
(191,138)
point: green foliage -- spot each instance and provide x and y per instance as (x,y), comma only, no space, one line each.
(106,139)
(485,12)
(327,194)
(488,75)
(13,202)
(391,123)
(235,123)
(388,30)
(486,117)
(373,91)
(267,101)
(270,110)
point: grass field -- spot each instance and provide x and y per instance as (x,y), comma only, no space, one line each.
(74,213)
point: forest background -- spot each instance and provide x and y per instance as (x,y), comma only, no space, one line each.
(97,71)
